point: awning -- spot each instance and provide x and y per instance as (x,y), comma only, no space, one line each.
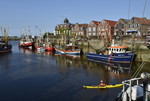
(132,31)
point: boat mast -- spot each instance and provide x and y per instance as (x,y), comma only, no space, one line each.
(4,34)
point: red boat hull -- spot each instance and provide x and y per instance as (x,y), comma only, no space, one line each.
(26,44)
(49,48)
(46,48)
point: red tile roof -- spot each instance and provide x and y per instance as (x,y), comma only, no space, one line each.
(96,22)
(143,20)
(111,23)
(83,25)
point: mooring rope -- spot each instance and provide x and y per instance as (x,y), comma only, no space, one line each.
(140,68)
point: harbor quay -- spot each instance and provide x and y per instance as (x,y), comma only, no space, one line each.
(142,53)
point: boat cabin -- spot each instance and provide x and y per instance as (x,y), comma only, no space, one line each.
(2,42)
(117,49)
(148,41)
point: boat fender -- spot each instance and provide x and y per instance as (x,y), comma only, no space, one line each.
(136,92)
(124,96)
(148,88)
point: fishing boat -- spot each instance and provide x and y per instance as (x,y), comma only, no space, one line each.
(39,48)
(68,49)
(47,47)
(26,42)
(116,54)
(5,48)
(106,86)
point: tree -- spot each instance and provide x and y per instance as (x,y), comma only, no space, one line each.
(46,35)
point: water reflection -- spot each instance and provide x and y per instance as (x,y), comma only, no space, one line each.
(4,63)
(67,60)
(118,68)
(26,50)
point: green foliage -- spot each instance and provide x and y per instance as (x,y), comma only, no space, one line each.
(46,34)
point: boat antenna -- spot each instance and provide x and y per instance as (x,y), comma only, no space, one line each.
(129,10)
(144,8)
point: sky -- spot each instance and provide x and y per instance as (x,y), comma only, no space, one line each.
(43,15)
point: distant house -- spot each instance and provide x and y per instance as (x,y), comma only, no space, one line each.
(106,28)
(64,28)
(139,26)
(92,30)
(63,31)
(121,27)
(80,30)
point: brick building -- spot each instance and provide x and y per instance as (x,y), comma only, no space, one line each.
(80,30)
(106,28)
(121,27)
(92,30)
(139,25)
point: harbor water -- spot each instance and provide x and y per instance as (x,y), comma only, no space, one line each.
(27,75)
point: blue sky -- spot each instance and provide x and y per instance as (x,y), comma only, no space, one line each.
(46,14)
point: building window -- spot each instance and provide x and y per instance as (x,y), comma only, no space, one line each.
(132,25)
(89,28)
(129,25)
(122,32)
(94,28)
(117,26)
(122,25)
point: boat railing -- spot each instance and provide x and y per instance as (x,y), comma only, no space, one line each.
(128,84)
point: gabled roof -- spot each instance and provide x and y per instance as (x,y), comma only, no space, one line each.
(110,22)
(125,20)
(83,25)
(142,20)
(96,22)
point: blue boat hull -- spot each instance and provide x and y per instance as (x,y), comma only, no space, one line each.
(115,57)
